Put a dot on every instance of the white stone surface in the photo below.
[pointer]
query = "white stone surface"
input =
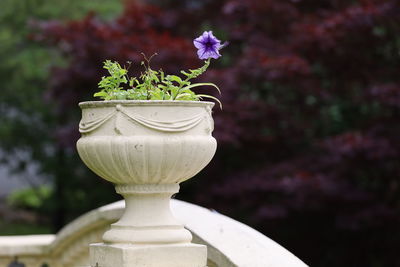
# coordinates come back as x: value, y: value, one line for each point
x: 125, y: 255
x: 146, y: 142
x: 27, y: 244
x: 146, y: 148
x: 239, y: 244
x: 229, y: 242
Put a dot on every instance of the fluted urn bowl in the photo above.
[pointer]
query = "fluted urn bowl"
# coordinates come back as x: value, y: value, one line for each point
x: 146, y: 148
x: 146, y: 142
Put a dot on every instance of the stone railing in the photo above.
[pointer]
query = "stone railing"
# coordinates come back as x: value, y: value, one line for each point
x: 229, y: 242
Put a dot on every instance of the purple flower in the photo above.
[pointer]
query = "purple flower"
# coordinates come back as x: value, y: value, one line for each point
x: 208, y: 46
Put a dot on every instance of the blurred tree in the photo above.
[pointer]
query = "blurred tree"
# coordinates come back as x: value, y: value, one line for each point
x: 308, y: 138
x: 27, y: 121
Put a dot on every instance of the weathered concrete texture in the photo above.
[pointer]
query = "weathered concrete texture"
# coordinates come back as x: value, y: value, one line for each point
x: 124, y: 255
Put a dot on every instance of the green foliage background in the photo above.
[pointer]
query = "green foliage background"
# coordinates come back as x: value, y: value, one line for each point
x: 27, y: 122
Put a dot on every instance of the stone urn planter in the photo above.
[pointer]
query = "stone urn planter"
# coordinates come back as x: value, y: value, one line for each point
x: 146, y: 148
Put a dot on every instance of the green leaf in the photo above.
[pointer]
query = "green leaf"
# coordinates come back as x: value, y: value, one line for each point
x: 202, y: 84
x: 185, y: 73
x: 101, y: 94
x: 162, y: 75
x: 182, y: 95
x: 212, y: 97
x: 174, y: 91
x: 174, y: 78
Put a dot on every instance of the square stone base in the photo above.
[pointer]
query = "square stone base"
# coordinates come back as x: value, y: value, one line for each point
x: 130, y: 255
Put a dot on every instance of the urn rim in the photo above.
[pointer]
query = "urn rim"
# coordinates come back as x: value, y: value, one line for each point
x: 110, y: 103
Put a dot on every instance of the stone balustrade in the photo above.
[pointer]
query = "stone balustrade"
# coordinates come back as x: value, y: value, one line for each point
x: 229, y: 242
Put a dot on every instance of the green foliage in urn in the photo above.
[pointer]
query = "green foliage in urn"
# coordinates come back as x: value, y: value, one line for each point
x: 156, y: 85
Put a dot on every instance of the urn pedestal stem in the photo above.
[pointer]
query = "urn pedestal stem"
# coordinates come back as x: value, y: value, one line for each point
x: 147, y: 234
x: 147, y: 218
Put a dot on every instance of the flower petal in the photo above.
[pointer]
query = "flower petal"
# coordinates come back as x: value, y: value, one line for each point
x: 206, y: 34
x: 212, y: 38
x: 207, y: 53
x: 201, y: 52
x: 198, y: 43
